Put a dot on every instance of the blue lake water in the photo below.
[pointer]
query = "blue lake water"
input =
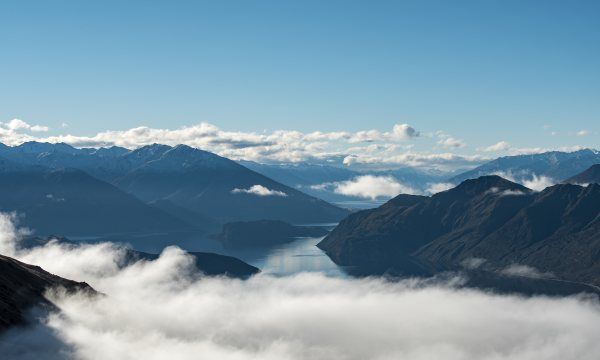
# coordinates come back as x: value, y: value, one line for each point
x: 300, y: 255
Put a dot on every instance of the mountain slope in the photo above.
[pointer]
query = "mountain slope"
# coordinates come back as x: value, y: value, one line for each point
x: 207, y: 183
x: 491, y: 219
x: 193, y: 179
x: 589, y: 176
x: 71, y: 202
x: 556, y: 165
x: 22, y: 286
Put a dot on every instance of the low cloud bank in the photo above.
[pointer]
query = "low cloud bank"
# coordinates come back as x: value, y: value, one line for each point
x: 527, y: 179
x: 372, y: 187
x: 258, y: 190
x: 164, y: 309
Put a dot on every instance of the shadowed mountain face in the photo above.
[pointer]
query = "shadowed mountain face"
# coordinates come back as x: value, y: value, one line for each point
x: 556, y: 165
x: 22, y: 286
x: 589, y: 176
x: 71, y: 202
x: 489, y: 221
x: 183, y: 177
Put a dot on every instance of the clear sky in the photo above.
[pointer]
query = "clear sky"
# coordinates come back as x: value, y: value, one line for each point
x: 481, y: 71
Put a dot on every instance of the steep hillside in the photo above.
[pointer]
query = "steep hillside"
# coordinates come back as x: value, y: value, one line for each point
x: 589, y: 176
x: 22, y: 286
x: 488, y: 220
x: 71, y: 202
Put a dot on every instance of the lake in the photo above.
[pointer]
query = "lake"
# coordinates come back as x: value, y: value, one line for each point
x: 300, y: 255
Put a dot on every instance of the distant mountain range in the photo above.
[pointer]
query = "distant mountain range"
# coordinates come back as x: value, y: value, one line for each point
x: 319, y: 180
x: 488, y: 223
x: 556, y: 165
x: 537, y: 170
x: 159, y: 188
x: 155, y: 187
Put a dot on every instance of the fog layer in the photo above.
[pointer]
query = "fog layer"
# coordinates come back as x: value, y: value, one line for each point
x: 164, y: 309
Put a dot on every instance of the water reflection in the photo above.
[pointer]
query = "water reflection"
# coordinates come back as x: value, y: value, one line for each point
x: 301, y: 255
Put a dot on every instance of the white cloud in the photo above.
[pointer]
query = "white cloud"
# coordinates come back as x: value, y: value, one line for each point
x: 17, y: 131
x: 370, y: 148
x: 451, y: 142
x: 404, y: 132
x: 18, y: 124
x: 372, y: 187
x: 442, y: 161
x: 499, y: 146
x: 527, y: 179
x: 276, y: 146
x: 525, y: 271
x: 582, y: 133
x: 163, y: 309
x: 434, y: 188
x: 538, y: 183
x: 473, y: 263
x: 258, y: 190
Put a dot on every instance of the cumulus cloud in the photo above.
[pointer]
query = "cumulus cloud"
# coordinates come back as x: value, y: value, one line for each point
x: 499, y: 146
x: 372, y: 187
x: 527, y: 179
x: 450, y: 142
x: 582, y: 133
x: 17, y: 131
x: 280, y: 146
x: 164, y: 309
x: 404, y: 132
x: 258, y: 190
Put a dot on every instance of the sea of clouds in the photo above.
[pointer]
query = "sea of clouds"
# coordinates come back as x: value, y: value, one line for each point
x: 165, y: 309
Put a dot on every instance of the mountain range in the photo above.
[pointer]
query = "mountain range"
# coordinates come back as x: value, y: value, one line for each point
x: 556, y: 165
x: 157, y: 187
x: 320, y: 180
x: 488, y: 223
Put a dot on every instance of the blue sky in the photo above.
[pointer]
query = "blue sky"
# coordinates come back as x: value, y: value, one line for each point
x: 480, y: 71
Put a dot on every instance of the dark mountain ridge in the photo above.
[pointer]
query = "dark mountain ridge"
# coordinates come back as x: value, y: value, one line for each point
x: 23, y: 286
x: 589, y: 176
x: 492, y: 219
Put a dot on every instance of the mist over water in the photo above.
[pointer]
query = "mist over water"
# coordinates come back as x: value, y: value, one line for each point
x: 165, y: 309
